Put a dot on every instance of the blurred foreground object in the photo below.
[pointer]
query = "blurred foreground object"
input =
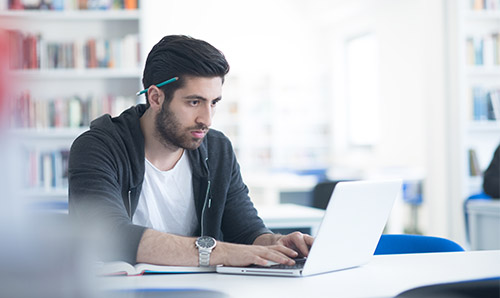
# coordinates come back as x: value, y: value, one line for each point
x: 40, y: 254
x: 41, y: 257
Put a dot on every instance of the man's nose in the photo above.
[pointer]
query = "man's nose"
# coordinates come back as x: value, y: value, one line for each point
x: 205, y: 115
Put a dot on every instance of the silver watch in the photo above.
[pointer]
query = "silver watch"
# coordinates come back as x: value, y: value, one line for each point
x: 205, y: 245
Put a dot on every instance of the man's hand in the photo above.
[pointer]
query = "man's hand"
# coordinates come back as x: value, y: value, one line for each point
x: 231, y: 254
x: 298, y: 242
x: 301, y: 243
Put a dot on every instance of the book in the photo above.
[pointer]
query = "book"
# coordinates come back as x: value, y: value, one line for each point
x: 485, y: 104
x: 477, y: 4
x: 480, y: 107
x: 130, y: 4
x: 474, y: 168
x: 495, y: 103
x: 124, y: 268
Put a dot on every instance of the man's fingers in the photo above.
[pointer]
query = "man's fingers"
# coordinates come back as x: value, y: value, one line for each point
x: 285, y: 250
x: 277, y: 254
x: 309, y: 240
x: 301, y: 245
x: 301, y: 242
x: 260, y: 261
x: 289, y: 247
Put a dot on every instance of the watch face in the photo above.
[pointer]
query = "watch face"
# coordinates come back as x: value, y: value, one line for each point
x: 205, y: 242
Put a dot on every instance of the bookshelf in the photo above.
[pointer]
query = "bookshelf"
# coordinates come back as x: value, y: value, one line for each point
x: 480, y: 33
x: 72, y: 61
x: 475, y: 93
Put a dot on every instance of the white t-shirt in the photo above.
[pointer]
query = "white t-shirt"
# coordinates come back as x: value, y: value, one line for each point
x: 166, y: 203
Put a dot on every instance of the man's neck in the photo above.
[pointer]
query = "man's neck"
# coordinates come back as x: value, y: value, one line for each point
x: 161, y: 156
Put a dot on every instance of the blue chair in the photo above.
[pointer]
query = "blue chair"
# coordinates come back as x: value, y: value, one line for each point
x: 406, y: 244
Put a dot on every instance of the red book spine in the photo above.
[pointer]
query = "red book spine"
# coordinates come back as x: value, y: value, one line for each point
x: 92, y: 63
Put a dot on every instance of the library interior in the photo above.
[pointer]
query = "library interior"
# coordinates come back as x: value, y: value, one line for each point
x: 318, y: 93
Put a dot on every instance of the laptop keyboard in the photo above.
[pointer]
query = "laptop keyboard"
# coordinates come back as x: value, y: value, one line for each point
x: 299, y: 264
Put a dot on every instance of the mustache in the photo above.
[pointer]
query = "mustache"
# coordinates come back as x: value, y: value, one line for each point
x: 199, y: 127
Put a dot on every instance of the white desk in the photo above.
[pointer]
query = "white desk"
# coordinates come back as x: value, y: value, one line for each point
x: 384, y: 276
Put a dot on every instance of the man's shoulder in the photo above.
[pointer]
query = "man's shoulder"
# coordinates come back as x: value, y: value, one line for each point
x: 129, y: 117
x: 101, y: 129
x: 216, y: 143
x: 216, y: 137
x: 214, y: 133
x: 106, y: 129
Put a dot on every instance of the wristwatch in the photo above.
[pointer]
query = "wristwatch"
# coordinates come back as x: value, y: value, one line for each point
x: 205, y: 244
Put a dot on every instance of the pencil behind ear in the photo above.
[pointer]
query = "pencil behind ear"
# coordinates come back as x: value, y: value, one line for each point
x: 159, y: 85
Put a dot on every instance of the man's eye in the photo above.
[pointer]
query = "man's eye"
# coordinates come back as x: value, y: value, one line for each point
x: 214, y: 103
x: 194, y: 102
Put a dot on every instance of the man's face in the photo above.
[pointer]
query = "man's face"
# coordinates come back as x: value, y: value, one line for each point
x: 184, y: 122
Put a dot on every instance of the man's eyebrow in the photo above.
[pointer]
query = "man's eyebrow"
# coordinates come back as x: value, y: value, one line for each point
x: 199, y: 97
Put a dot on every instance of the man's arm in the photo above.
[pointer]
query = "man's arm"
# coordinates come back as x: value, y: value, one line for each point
x: 168, y: 249
x: 95, y: 196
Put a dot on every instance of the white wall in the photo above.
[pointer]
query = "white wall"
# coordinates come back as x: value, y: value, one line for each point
x: 242, y: 30
x: 413, y: 99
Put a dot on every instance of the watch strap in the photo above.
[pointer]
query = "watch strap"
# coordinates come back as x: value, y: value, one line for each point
x: 204, y: 258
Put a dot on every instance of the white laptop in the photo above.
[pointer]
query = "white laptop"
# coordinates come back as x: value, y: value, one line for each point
x: 349, y: 232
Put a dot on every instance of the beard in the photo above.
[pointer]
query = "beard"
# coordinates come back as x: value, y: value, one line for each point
x: 172, y: 134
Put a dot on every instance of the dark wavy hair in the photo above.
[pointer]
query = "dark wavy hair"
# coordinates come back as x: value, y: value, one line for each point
x: 181, y: 56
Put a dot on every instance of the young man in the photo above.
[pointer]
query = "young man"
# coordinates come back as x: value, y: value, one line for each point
x: 155, y: 178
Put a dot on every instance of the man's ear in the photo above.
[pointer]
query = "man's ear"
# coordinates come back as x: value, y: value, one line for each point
x: 155, y: 97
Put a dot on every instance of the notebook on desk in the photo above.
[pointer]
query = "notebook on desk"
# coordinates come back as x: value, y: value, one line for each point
x: 349, y: 232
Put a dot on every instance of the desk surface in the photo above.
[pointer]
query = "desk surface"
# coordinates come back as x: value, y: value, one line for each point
x: 384, y: 276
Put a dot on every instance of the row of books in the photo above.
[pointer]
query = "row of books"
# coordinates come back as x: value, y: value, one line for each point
x: 64, y: 112
x: 484, y: 4
x: 483, y: 50
x: 31, y: 51
x: 485, y: 104
x: 47, y: 169
x: 68, y: 4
